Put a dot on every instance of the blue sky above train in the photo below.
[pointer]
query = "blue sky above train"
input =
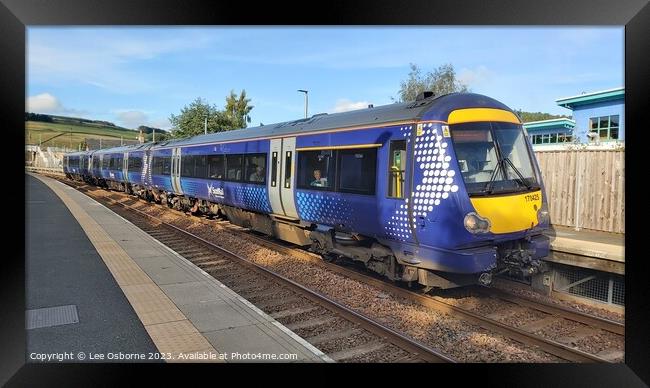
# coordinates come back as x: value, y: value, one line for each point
x: 135, y: 76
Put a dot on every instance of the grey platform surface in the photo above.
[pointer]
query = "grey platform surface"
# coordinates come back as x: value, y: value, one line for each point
x: 589, y: 243
x: 62, y: 269
x: 229, y: 322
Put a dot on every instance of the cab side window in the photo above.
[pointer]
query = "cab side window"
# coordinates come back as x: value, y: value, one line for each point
x: 396, y: 168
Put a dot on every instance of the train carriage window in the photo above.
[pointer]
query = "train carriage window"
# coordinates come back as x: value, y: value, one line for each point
x: 255, y: 168
x: 396, y: 169
x: 135, y: 163
x: 316, y: 170
x: 234, y: 167
x: 187, y: 165
x: 216, y: 166
x: 156, y: 166
x: 106, y: 160
x: 200, y: 166
x: 167, y: 165
x: 357, y: 171
x: 161, y: 165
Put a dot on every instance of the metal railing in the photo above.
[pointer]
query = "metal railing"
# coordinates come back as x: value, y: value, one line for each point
x: 46, y: 170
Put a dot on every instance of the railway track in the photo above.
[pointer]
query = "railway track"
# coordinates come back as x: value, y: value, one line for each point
x: 552, y: 313
x: 527, y: 334
x: 340, y: 332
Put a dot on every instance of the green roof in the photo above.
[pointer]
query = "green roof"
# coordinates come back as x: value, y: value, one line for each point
x: 591, y: 98
x: 551, y: 123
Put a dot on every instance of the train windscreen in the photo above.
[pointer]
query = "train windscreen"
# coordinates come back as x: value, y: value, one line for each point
x: 493, y: 157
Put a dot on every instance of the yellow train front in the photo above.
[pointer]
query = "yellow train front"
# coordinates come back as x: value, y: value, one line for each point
x: 468, y: 198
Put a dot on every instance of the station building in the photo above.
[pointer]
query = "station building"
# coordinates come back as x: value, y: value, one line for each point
x: 598, y: 118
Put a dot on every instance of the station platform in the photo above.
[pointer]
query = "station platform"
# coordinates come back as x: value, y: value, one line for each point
x: 586, y: 248
x: 98, y: 285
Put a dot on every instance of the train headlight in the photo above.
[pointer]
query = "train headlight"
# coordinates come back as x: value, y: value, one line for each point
x: 476, y: 224
x: 543, y: 216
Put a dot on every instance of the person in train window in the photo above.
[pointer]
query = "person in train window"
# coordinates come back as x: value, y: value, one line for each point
x: 318, y: 180
x: 258, y: 175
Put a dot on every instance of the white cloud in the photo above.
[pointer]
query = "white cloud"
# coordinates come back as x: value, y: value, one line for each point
x: 44, y: 103
x: 475, y: 76
x: 104, y: 58
x: 133, y: 118
x: 160, y: 123
x: 344, y: 105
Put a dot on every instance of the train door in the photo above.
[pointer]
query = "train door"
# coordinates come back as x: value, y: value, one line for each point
x: 287, y: 176
x: 274, y: 181
x: 176, y: 171
x: 125, y: 167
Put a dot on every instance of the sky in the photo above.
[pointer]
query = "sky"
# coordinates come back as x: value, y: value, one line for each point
x: 139, y: 76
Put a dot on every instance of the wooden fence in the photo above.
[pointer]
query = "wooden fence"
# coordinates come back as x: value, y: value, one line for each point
x: 585, y: 188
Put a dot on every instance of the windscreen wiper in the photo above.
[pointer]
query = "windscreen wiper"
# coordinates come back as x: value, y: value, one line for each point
x: 521, y: 177
x: 487, y: 189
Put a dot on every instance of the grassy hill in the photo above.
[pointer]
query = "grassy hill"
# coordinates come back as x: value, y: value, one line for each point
x: 73, y: 132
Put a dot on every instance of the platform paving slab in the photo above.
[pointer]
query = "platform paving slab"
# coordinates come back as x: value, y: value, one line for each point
x: 62, y: 269
x: 165, y: 288
x: 590, y: 243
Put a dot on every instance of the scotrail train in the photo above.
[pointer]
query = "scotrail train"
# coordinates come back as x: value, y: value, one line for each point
x: 444, y: 191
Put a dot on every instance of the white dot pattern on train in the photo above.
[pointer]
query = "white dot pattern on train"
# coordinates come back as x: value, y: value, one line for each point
x: 325, y: 209
x: 437, y: 183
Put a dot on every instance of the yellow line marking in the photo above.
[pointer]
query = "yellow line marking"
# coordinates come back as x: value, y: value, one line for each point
x: 298, y: 133
x: 168, y: 327
x: 345, y: 147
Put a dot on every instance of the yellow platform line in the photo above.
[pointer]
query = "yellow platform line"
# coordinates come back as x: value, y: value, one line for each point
x: 176, y: 338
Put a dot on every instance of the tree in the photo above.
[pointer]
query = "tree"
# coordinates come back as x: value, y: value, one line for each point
x: 146, y: 129
x: 238, y: 110
x: 441, y: 80
x: 191, y: 120
x: 527, y: 117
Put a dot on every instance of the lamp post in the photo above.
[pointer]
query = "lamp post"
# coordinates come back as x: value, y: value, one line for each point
x: 205, y: 125
x: 306, y: 100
